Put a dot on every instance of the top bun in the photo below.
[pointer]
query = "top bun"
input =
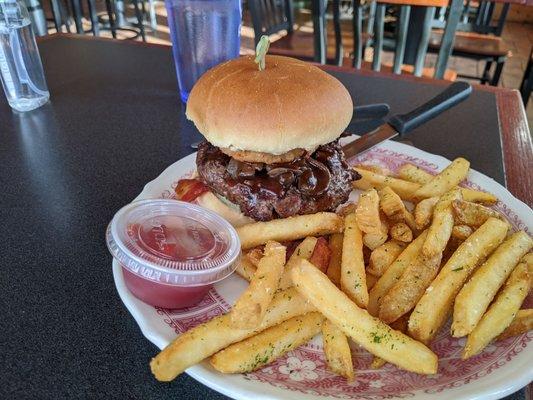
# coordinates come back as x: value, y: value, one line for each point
x: 289, y: 105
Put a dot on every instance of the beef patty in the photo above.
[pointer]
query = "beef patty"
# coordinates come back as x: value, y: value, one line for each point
x: 309, y: 184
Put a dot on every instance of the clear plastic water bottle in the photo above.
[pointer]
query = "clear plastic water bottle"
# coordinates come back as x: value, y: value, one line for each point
x: 21, y: 70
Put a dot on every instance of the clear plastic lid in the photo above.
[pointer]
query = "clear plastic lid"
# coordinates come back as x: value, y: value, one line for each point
x: 173, y: 242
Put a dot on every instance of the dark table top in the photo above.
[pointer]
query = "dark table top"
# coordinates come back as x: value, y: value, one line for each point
x: 113, y: 124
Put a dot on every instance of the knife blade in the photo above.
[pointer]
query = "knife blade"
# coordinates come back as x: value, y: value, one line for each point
x: 402, y: 124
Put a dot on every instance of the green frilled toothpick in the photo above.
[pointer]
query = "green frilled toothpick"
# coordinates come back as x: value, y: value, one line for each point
x: 261, y: 51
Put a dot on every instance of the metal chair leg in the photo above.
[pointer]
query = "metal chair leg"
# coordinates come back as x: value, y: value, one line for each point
x: 153, y: 16
x: 485, y: 77
x: 498, y: 72
x: 56, y: 14
x: 112, y: 27
x: 95, y: 27
x: 140, y: 21
x: 76, y: 11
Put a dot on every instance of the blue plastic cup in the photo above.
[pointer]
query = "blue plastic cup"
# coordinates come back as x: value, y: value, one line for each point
x: 204, y: 33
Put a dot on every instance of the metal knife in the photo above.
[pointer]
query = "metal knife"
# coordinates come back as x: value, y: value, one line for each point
x: 402, y: 124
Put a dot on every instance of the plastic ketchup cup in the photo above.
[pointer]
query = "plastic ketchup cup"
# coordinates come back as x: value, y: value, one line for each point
x: 171, y: 252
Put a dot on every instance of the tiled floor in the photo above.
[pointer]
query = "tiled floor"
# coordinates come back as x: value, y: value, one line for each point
x: 518, y: 36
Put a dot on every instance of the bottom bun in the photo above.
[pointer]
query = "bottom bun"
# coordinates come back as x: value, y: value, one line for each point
x: 230, y: 213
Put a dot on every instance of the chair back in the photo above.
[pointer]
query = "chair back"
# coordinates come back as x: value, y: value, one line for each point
x: 476, y: 17
x: 402, y: 24
x: 271, y: 16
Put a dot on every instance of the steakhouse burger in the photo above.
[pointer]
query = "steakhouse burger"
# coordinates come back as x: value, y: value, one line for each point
x: 271, y: 148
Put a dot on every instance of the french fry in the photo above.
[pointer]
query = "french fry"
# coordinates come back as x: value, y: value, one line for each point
x: 286, y: 229
x: 393, y: 273
x: 440, y: 230
x: 303, y: 250
x: 367, y: 331
x: 472, y: 214
x: 367, y: 212
x: 375, y: 168
x: 461, y: 232
x: 245, y: 268
x: 206, y: 339
x: 477, y: 196
x: 353, y: 277
x: 446, y: 180
x: 337, y: 350
x: 321, y: 255
x: 383, y: 256
x: 476, y: 295
x: 406, y: 292
x: 412, y: 173
x: 268, y: 345
x: 347, y: 208
x: 399, y: 325
x: 393, y: 207
x: 334, y: 268
x: 370, y: 281
x: 415, y: 174
x: 255, y: 255
x: 374, y: 240
x: 501, y: 313
x: 424, y: 212
x: 522, y: 322
x: 377, y: 363
x: 436, y: 304
x: 404, y: 189
x: 252, y: 305
x: 401, y: 232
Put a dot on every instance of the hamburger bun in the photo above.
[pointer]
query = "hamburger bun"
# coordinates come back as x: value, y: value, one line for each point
x: 289, y: 105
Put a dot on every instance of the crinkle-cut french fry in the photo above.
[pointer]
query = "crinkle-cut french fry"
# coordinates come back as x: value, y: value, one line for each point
x: 367, y: 212
x: 424, y: 211
x: 417, y: 175
x: 303, y: 250
x: 383, y: 256
x: 472, y: 214
x: 404, y: 189
x: 353, y: 277
x: 337, y: 350
x: 393, y: 207
x: 436, y: 304
x: 334, y: 268
x: 252, y: 305
x: 440, y: 230
x: 393, y: 273
x: 268, y: 345
x: 501, y: 313
x: 522, y: 323
x: 461, y: 232
x: 245, y: 268
x: 369, y: 332
x: 292, y: 228
x: 476, y: 295
x: 204, y: 340
x: 446, y: 180
x: 404, y: 295
x: 401, y: 232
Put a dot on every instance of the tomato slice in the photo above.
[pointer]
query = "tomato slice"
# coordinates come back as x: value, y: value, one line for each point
x: 190, y: 189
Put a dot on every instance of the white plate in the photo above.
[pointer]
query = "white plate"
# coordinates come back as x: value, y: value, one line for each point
x: 502, y: 368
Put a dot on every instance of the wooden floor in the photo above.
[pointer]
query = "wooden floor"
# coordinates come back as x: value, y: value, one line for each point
x: 518, y: 36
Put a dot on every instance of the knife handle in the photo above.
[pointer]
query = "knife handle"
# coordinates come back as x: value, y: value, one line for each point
x: 370, y: 111
x: 452, y: 95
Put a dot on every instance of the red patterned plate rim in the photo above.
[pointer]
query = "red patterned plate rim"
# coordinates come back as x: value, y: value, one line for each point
x: 302, y: 373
